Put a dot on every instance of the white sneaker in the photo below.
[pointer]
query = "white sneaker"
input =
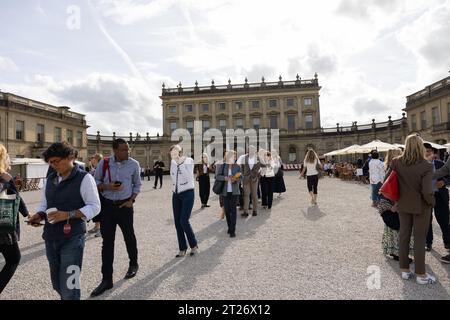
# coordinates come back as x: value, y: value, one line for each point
x: 429, y: 279
x: 407, y: 275
x: 194, y: 250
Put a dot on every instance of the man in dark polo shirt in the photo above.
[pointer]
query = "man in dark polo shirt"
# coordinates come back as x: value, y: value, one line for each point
x: 118, y: 180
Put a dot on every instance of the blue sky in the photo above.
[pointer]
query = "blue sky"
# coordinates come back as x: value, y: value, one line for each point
x: 108, y: 58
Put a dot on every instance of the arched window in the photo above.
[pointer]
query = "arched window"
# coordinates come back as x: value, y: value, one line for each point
x: 292, y: 154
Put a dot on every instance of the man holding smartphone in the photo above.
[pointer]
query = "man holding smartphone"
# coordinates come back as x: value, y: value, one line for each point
x: 119, y: 182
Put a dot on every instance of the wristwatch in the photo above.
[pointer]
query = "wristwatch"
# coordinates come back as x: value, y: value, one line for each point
x: 72, y: 214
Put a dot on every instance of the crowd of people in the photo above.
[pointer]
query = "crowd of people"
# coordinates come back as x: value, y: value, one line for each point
x: 106, y: 193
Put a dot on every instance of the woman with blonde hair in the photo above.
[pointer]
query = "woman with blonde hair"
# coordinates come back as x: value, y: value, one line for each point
x: 416, y: 199
x: 311, y: 166
x: 389, y: 212
x: 9, y: 239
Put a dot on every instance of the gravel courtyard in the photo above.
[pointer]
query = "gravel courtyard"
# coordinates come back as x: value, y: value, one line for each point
x: 293, y: 251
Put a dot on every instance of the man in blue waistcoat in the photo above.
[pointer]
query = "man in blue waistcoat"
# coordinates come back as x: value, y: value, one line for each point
x: 71, y: 198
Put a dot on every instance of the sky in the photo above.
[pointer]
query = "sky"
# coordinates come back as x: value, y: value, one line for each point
x: 108, y: 58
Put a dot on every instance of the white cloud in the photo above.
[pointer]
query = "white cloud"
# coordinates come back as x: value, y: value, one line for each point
x: 111, y: 102
x: 369, y: 54
x: 428, y: 39
x: 7, y: 64
x: 127, y: 12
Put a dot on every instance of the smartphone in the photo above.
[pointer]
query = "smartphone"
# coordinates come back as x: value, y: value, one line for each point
x: 117, y: 183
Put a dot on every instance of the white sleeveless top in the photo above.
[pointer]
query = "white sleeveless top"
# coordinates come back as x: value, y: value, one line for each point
x: 311, y: 168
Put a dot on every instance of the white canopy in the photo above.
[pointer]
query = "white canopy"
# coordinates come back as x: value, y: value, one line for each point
x: 377, y: 145
x: 341, y: 151
x: 447, y: 146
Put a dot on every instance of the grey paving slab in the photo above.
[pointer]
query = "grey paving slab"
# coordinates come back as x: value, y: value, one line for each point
x: 293, y: 251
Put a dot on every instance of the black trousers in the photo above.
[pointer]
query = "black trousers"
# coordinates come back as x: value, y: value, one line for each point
x: 267, y: 191
x: 160, y: 176
x: 312, y: 182
x: 113, y: 216
x: 204, y: 188
x: 441, y: 212
x: 11, y: 253
x: 230, y: 203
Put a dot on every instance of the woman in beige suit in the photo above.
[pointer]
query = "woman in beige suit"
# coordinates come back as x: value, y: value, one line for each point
x: 414, y: 206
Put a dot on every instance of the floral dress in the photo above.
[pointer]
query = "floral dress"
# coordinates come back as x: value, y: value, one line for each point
x: 389, y: 241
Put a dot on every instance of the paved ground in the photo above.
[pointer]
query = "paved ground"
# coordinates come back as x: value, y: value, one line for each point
x: 293, y: 251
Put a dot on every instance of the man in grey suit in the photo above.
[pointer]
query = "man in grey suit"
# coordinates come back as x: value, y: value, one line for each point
x: 250, y: 166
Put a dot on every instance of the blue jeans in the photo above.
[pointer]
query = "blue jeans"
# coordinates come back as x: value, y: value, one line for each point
x: 182, y: 204
x: 375, y: 189
x: 65, y: 257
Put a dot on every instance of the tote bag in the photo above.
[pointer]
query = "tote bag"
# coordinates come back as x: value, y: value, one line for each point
x: 389, y: 189
x: 218, y: 185
x: 9, y: 208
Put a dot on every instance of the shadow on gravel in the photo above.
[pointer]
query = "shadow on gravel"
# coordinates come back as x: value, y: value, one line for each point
x: 313, y: 213
x: 38, y: 253
x: 188, y: 268
x: 414, y: 291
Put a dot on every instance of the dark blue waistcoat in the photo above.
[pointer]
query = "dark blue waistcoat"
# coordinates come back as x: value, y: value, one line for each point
x: 64, y: 196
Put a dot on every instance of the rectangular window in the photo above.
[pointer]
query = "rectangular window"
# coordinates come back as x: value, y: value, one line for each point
x: 448, y: 112
x: 205, y: 107
x: 423, y: 120
x: 309, y: 121
x: 290, y: 103
x: 291, y: 122
x: 190, y: 126
x: 173, y: 109
x: 222, y: 106
x: 188, y: 108
x: 238, y: 105
x: 273, y: 122
x: 205, y: 125
x: 435, y: 115
x: 256, y: 123
x: 40, y: 130
x: 307, y: 102
x: 239, y: 123
x: 79, y: 138
x: 255, y: 104
x: 20, y: 130
x: 58, y: 137
x: 222, y: 124
x: 173, y: 126
x: 413, y: 122
x: 70, y: 136
x: 273, y: 103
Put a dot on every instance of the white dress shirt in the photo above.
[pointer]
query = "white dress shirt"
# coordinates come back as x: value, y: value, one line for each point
x: 89, y: 194
x: 376, y: 171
